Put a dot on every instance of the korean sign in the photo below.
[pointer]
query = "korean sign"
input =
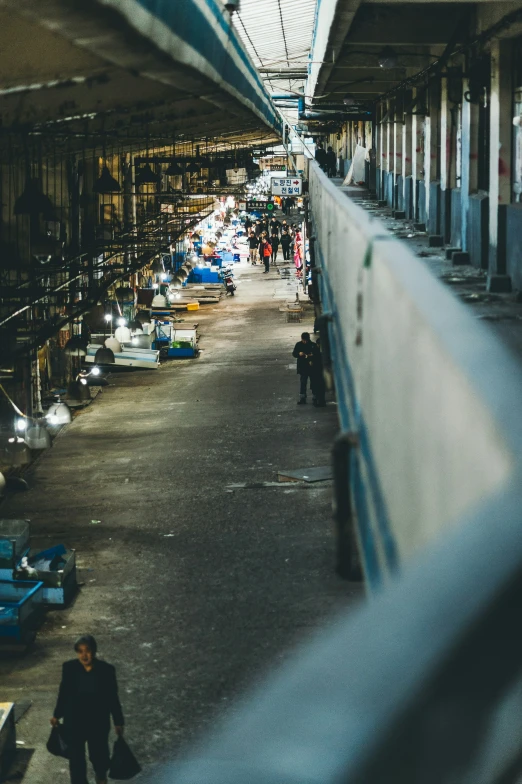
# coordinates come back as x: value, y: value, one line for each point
x: 288, y: 186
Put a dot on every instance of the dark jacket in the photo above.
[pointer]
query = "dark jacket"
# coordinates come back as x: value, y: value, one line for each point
x: 253, y: 242
x: 320, y: 156
x: 275, y: 226
x: 303, y: 363
x: 286, y: 240
x: 101, y: 696
x: 331, y: 159
x: 274, y: 242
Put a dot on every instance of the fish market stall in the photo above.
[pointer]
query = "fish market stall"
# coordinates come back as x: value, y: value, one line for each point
x: 129, y: 356
x: 176, y: 342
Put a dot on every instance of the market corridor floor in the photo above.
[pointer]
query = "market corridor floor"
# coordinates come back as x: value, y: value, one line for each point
x: 192, y: 588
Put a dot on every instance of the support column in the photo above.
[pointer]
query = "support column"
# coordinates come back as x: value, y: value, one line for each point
x: 390, y: 155
x: 469, y: 161
x: 500, y: 131
x: 445, y: 156
x: 417, y: 158
x: 381, y: 153
x: 407, y: 188
x: 397, y: 158
x: 431, y: 161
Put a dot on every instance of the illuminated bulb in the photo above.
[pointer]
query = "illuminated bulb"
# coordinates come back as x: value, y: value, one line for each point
x: 83, y: 381
x: 122, y: 322
x: 21, y: 425
x: 108, y: 317
x: 135, y: 341
x: 95, y: 371
x: 53, y: 420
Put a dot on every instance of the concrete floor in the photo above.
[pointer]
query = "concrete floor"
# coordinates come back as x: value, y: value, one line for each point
x: 192, y: 589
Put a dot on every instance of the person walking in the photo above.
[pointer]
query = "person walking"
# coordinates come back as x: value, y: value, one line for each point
x: 258, y: 229
x: 274, y: 226
x: 253, y: 244
x: 317, y: 384
x: 274, y: 242
x: 331, y: 162
x: 265, y: 251
x: 303, y: 352
x: 320, y: 156
x: 286, y: 241
x: 87, y: 699
x: 298, y: 253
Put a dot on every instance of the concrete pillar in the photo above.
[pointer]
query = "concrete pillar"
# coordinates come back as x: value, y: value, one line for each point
x: 417, y: 152
x: 500, y: 151
x: 469, y: 160
x: 406, y: 170
x: 431, y: 162
x: 397, y: 148
x: 446, y: 143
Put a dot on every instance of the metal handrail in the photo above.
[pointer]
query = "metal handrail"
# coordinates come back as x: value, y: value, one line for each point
x: 423, y: 684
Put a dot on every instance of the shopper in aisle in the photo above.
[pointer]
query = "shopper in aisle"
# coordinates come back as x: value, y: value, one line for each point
x: 331, y: 162
x: 286, y: 241
x: 274, y: 242
x: 303, y: 352
x: 253, y: 244
x: 265, y: 252
x: 317, y: 384
x: 87, y: 699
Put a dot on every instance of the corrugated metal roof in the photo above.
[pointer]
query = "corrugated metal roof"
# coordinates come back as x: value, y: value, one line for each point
x: 278, y: 35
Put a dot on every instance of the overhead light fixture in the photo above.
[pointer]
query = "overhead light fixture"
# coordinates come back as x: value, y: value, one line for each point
x: 113, y: 344
x: 123, y: 334
x: 104, y: 356
x: 33, y: 202
x: 106, y: 182
x: 77, y: 392
x: 173, y: 169
x: 21, y: 424
x: 122, y: 322
x: 146, y: 175
x: 17, y: 453
x: 108, y: 317
x: 59, y: 414
x: 349, y: 100
x: 76, y: 347
x: 95, y: 371
x: 387, y: 58
x: 193, y: 168
x: 157, y: 266
x: 38, y: 437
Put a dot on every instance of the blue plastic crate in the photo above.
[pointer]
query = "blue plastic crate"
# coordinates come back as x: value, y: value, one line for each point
x: 21, y: 604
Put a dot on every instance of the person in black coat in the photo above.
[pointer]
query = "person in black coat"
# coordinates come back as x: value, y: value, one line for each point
x: 320, y: 156
x: 87, y: 699
x: 331, y: 162
x: 316, y: 375
x: 286, y: 241
x: 303, y: 352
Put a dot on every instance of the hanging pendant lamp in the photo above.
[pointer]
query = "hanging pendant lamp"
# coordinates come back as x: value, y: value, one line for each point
x: 17, y: 453
x: 75, y: 347
x: 104, y: 356
x: 157, y: 266
x: 2, y: 485
x: 78, y: 393
x: 146, y: 175
x: 113, y: 344
x: 59, y: 414
x: 33, y: 202
x: 193, y: 167
x: 106, y: 182
x: 37, y: 437
x: 173, y: 169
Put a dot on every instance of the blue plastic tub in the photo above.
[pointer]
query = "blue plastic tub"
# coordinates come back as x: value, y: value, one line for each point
x: 21, y: 605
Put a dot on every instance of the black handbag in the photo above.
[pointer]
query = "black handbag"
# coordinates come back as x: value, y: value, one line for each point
x: 124, y: 765
x: 57, y: 745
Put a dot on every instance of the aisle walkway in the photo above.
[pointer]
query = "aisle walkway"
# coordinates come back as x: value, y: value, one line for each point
x: 193, y: 589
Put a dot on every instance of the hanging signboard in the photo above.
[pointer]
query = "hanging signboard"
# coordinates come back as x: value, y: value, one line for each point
x: 258, y: 205
x: 289, y: 186
x: 242, y: 206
